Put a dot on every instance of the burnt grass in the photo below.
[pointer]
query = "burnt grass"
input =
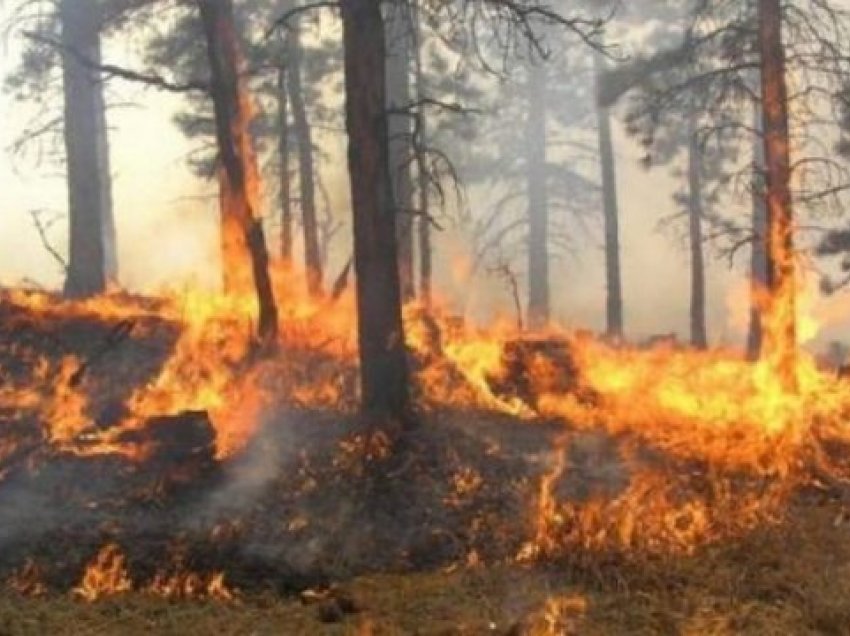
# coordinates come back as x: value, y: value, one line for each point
x: 317, y: 499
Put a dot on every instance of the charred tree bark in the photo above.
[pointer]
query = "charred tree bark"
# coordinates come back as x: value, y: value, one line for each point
x: 613, y: 276
x: 306, y: 170
x: 399, y: 47
x: 538, y: 200
x: 758, y: 254
x: 239, y: 173
x: 780, y: 324
x: 285, y: 187
x: 699, y: 337
x: 92, y: 248
x: 384, y: 374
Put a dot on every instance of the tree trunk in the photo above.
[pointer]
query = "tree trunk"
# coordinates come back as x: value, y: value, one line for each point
x: 426, y: 267
x: 89, y: 198
x: 306, y: 175
x: 399, y: 47
x: 239, y: 173
x: 758, y: 254
x: 699, y: 338
x: 613, y: 278
x: 283, y: 158
x: 384, y: 374
x: 538, y: 200
x: 425, y: 246
x: 779, y: 317
x: 110, y: 240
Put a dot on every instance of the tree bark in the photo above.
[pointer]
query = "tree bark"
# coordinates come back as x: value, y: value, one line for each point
x: 110, y: 239
x: 699, y: 337
x: 538, y: 200
x: 399, y: 48
x: 91, y: 231
x: 425, y: 245
x: 613, y: 277
x: 780, y: 325
x: 285, y: 187
x: 384, y: 374
x: 758, y: 253
x: 306, y: 169
x: 239, y: 173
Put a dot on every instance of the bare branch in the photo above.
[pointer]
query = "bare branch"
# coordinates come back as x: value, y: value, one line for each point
x: 150, y: 79
x: 42, y: 229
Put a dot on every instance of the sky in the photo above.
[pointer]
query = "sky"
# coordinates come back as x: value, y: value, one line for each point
x: 166, y: 224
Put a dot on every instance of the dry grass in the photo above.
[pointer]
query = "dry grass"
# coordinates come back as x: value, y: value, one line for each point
x: 793, y: 579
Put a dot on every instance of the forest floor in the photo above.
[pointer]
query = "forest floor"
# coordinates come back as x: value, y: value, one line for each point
x: 318, y: 527
x: 788, y: 580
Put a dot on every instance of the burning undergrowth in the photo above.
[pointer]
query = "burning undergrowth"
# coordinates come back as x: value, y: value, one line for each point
x: 153, y: 446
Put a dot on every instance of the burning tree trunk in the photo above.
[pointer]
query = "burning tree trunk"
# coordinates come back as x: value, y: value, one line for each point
x: 538, y: 200
x: 758, y: 255
x: 384, y: 373
x: 91, y: 259
x: 613, y: 279
x: 306, y: 172
x: 399, y: 34
x: 780, y: 325
x: 699, y: 336
x: 239, y: 174
x: 283, y: 158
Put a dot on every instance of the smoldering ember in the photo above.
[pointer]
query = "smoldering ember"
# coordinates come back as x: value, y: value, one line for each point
x: 425, y: 317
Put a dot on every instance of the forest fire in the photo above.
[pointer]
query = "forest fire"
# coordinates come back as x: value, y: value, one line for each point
x: 255, y: 437
x: 711, y: 410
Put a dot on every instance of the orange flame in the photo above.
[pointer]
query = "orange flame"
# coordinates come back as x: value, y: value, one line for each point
x: 106, y: 575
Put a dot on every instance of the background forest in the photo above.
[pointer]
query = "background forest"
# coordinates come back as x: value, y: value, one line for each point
x: 181, y: 212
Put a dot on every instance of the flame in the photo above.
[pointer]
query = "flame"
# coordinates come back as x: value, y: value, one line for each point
x: 190, y: 585
x: 106, y: 575
x: 712, y: 405
x: 711, y: 415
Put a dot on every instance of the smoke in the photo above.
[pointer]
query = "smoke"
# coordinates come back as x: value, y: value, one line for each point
x: 272, y: 451
x: 167, y: 220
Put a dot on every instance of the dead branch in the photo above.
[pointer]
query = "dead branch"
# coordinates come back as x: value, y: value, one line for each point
x: 284, y: 19
x: 150, y: 79
x: 41, y: 228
